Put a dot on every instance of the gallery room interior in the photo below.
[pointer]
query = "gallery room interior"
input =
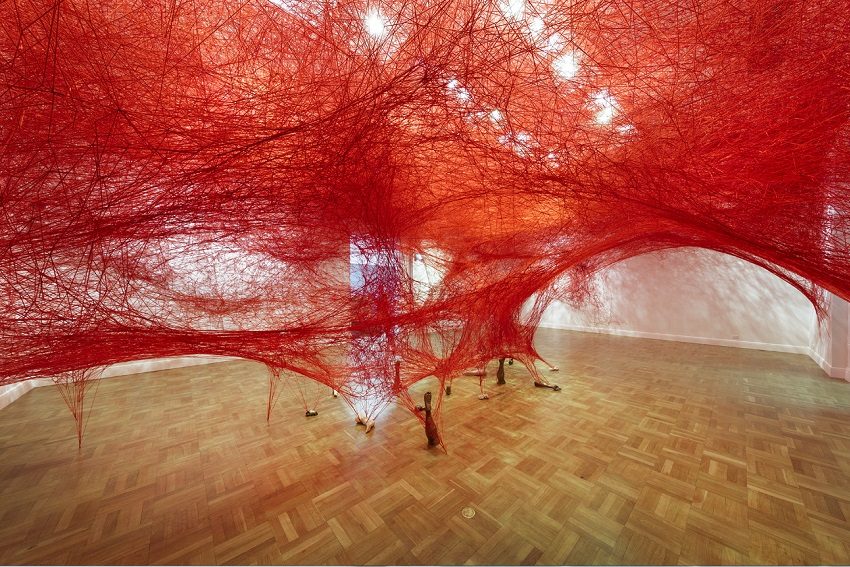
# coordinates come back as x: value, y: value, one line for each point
x: 429, y: 282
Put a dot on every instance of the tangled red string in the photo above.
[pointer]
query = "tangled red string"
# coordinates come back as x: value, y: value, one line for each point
x: 369, y: 193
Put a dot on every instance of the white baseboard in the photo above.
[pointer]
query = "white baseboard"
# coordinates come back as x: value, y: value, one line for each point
x: 12, y: 392
x: 684, y: 338
x: 831, y: 371
x: 9, y: 394
x: 155, y: 364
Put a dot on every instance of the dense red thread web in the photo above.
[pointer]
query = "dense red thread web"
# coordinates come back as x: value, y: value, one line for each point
x: 368, y: 193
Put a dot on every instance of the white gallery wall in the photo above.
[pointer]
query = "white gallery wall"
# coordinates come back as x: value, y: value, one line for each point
x: 702, y: 296
x: 689, y: 295
x: 831, y: 347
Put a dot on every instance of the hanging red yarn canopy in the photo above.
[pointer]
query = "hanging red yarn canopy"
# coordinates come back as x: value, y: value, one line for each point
x: 264, y: 178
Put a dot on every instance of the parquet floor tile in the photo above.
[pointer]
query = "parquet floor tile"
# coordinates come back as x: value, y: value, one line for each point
x: 653, y: 453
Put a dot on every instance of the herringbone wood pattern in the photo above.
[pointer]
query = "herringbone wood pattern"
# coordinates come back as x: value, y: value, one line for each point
x: 654, y: 452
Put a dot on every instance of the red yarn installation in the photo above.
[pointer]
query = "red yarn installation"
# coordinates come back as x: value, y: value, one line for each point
x: 270, y: 179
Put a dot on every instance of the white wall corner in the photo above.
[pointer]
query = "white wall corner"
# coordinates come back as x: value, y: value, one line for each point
x: 12, y: 392
x: 831, y: 371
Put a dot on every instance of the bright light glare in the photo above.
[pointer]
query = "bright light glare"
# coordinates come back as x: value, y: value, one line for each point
x: 290, y: 6
x: 375, y: 24
x: 496, y: 115
x: 607, y: 106
x: 554, y: 43
x: 536, y: 26
x: 460, y: 93
x: 513, y: 9
x: 521, y: 142
x: 566, y: 66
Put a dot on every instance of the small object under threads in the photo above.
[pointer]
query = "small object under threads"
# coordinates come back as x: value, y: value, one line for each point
x: 430, y: 426
x: 369, y: 422
x: 311, y: 413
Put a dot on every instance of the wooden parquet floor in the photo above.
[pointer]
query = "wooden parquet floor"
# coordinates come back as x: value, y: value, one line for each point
x: 653, y: 453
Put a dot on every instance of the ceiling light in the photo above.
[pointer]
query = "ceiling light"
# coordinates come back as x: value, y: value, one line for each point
x: 566, y: 66
x: 512, y: 9
x: 375, y: 24
x: 607, y: 106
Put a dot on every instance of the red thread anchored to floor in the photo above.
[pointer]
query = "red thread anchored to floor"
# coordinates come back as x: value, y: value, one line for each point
x: 368, y: 193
